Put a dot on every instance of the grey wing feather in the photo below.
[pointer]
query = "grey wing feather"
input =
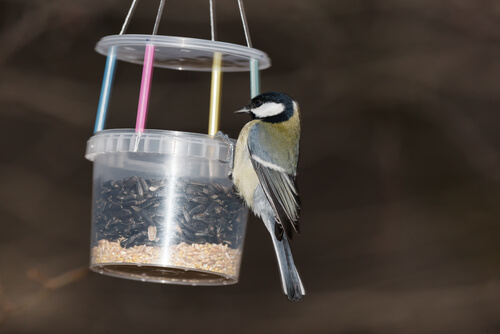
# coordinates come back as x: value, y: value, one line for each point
x: 280, y: 190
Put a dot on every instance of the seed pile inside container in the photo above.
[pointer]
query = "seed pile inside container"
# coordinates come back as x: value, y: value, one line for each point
x: 132, y: 215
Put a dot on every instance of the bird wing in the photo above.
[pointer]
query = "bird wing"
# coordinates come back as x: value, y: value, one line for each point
x: 279, y: 186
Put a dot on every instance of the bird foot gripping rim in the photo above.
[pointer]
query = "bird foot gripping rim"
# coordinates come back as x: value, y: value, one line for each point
x: 230, y: 158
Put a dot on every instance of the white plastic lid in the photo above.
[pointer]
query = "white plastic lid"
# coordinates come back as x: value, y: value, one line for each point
x: 182, y: 53
x: 159, y: 141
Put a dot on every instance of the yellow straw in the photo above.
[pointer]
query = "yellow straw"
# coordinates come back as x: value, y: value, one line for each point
x: 213, y: 120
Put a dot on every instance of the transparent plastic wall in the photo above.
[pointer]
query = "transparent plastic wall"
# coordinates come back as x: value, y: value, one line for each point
x: 164, y: 208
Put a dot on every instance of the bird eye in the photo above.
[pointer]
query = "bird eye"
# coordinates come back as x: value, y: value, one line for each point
x: 257, y: 104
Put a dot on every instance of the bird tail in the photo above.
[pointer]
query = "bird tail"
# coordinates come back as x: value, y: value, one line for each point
x: 290, y: 279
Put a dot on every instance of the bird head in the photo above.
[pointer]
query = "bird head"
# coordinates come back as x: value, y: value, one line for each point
x: 271, y: 107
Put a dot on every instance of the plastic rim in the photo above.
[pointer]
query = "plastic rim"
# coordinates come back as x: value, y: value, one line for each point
x: 159, y: 142
x: 164, y: 274
x: 182, y: 53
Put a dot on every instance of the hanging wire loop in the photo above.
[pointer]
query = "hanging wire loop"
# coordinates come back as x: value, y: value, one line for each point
x: 158, y: 17
x: 245, y: 24
x: 213, y: 30
x: 128, y: 17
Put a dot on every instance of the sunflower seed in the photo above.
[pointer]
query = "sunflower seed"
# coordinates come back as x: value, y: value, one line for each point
x: 132, y: 208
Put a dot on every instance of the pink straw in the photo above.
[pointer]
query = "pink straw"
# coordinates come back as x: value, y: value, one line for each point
x: 147, y: 75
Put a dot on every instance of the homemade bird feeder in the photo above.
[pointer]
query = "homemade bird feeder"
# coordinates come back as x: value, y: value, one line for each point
x: 164, y: 207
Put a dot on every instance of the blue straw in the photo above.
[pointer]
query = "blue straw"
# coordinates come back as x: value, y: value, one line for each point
x: 109, y: 73
x: 107, y: 83
x: 254, y: 78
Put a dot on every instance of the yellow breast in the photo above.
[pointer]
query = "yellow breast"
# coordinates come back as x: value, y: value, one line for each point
x: 244, y: 176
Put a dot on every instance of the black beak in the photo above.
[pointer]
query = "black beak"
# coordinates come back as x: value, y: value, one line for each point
x: 243, y: 110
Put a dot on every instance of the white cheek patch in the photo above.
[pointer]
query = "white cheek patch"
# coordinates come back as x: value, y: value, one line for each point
x: 268, y: 109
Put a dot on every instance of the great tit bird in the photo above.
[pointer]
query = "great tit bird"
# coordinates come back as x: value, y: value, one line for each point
x: 265, y: 167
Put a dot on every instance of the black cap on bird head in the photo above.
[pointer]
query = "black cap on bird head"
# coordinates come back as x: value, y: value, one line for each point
x: 271, y: 107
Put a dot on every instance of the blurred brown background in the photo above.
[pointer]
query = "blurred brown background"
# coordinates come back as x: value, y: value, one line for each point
x: 399, y: 170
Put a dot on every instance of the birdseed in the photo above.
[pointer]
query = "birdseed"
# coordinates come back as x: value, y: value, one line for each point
x: 136, y: 211
x: 168, y: 222
x: 217, y: 258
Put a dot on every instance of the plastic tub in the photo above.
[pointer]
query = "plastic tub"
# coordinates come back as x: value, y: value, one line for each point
x: 164, y: 209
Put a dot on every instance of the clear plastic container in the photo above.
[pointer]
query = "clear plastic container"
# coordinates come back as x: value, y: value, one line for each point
x: 164, y: 209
